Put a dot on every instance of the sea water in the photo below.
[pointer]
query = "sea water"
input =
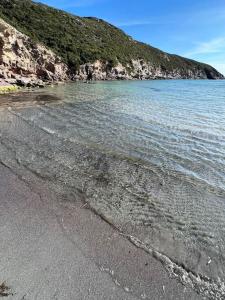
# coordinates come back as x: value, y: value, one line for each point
x: 149, y: 156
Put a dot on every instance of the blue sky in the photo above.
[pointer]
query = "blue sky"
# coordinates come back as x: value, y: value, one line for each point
x: 192, y: 28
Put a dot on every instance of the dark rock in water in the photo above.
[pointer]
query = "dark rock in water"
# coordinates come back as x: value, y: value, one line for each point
x: 46, y: 98
x: 23, y: 99
x: 25, y: 82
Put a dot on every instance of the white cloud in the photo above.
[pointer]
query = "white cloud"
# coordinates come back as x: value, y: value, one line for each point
x: 216, y: 45
x: 218, y: 66
x: 133, y: 23
x: 211, y: 52
x: 140, y: 22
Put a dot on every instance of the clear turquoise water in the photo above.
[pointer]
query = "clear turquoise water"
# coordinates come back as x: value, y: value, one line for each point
x: 177, y: 125
x: 148, y: 155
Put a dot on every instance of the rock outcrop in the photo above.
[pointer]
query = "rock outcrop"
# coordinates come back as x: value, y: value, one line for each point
x: 139, y: 69
x: 26, y: 63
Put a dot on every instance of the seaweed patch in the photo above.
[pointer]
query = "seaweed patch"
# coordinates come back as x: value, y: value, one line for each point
x: 4, y: 290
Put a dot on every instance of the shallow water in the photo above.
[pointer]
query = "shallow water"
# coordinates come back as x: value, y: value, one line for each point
x: 147, y: 155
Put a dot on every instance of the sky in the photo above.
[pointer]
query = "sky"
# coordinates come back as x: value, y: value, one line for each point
x: 191, y: 28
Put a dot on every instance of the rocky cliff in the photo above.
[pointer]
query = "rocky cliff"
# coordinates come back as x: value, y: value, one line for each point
x: 138, y: 69
x: 24, y: 62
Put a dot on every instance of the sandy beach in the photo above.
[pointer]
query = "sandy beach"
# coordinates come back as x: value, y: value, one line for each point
x: 61, y: 250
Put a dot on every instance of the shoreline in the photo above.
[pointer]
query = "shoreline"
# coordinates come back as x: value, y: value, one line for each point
x: 60, y: 236
x: 75, y: 190
x: 9, y: 88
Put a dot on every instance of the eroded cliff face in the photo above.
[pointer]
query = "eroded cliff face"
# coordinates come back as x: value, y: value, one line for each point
x: 25, y: 62
x: 139, y: 69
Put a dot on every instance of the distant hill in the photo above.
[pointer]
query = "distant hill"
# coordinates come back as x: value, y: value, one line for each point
x: 92, y: 47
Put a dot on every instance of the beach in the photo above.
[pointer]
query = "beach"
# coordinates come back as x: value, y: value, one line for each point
x: 114, y: 182
x: 54, y: 249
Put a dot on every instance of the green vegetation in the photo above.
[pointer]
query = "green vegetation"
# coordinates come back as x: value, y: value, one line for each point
x: 8, y: 89
x: 79, y: 40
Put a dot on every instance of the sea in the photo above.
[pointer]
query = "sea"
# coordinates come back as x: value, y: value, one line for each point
x: 147, y: 156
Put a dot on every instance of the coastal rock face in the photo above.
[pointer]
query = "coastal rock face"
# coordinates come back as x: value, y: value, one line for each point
x: 139, y: 69
x: 26, y: 63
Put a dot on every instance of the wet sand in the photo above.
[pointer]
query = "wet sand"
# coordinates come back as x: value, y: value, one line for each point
x: 56, y: 249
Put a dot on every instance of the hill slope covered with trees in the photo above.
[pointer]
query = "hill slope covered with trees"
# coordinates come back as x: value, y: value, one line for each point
x: 86, y: 40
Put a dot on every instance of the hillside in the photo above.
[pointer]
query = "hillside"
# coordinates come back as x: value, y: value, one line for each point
x: 93, y: 46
